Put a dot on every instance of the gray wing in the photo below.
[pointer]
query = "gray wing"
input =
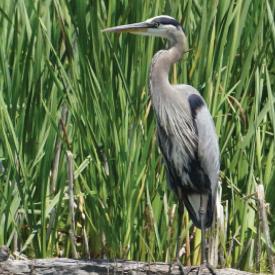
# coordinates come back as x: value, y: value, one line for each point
x: 191, y: 175
x: 208, y: 155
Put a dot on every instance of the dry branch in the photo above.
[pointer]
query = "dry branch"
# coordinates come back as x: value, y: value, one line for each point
x: 264, y: 224
x: 71, y: 266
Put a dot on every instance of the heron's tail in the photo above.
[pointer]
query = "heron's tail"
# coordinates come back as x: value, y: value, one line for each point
x: 193, y: 203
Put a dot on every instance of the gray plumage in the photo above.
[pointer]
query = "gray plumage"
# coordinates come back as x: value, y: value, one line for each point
x: 186, y: 132
x: 185, y: 128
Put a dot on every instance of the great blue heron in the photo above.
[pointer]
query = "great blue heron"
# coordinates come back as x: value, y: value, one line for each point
x: 185, y: 128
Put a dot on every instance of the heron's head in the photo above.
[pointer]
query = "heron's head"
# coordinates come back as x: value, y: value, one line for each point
x: 159, y: 26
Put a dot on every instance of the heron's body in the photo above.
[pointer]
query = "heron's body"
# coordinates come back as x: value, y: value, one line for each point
x: 186, y: 137
x: 185, y: 129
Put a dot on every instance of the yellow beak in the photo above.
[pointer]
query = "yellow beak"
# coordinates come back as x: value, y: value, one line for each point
x: 133, y: 28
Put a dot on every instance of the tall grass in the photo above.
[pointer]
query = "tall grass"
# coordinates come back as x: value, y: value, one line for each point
x: 67, y: 88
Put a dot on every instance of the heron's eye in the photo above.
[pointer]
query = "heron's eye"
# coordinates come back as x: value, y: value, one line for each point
x: 156, y: 24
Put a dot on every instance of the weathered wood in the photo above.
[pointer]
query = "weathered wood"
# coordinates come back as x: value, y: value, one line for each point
x: 81, y: 267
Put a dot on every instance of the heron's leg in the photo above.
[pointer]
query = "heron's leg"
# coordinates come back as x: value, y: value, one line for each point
x: 180, y: 214
x: 202, y: 212
x: 203, y: 241
x: 204, y: 261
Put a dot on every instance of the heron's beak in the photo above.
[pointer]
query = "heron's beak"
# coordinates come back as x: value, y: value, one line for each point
x: 133, y: 28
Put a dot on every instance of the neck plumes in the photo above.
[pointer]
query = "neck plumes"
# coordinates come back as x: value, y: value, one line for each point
x: 161, y: 63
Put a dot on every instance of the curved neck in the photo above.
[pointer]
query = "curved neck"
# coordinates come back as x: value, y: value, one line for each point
x: 161, y: 63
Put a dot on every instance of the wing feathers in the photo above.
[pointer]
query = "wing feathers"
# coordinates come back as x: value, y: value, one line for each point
x: 192, y: 175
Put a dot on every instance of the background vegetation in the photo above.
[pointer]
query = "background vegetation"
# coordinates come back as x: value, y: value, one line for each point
x: 74, y: 104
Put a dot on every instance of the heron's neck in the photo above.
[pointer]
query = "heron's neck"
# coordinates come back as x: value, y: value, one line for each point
x: 161, y: 63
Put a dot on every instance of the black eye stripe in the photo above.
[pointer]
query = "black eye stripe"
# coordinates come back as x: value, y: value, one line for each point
x: 167, y: 21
